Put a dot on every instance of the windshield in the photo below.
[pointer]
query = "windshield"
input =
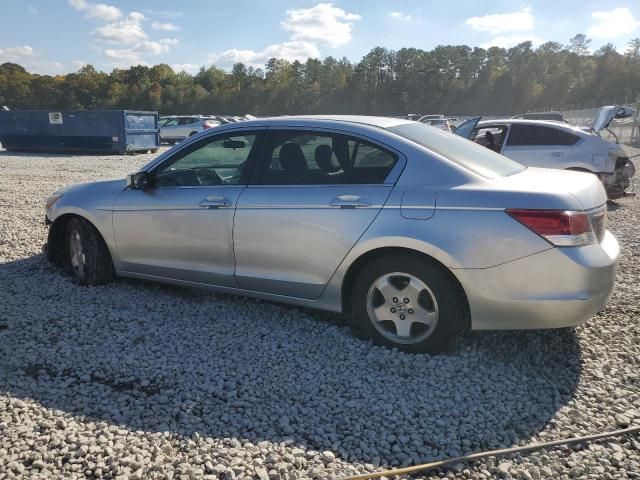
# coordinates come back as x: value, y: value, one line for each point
x: 461, y: 151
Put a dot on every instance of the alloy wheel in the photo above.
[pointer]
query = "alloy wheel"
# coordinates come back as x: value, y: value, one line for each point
x: 402, y: 308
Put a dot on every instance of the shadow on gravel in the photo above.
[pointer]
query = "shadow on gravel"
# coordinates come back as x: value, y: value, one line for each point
x: 165, y: 359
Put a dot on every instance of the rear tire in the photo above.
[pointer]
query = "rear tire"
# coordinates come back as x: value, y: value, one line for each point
x: 409, y: 303
x: 88, y: 257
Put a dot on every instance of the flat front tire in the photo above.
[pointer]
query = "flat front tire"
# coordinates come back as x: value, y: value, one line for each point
x: 408, y: 302
x: 88, y: 257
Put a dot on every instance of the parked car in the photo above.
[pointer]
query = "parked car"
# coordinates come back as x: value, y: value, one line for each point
x: 180, y: 127
x: 553, y: 116
x: 454, y: 122
x: 550, y: 144
x: 425, y: 118
x: 415, y: 233
x: 440, y: 123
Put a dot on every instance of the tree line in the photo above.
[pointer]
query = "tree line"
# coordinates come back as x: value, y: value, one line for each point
x: 448, y: 79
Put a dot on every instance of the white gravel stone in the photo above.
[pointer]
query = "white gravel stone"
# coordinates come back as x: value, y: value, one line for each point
x: 138, y: 380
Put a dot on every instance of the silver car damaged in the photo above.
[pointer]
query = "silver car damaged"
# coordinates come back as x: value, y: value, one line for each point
x: 415, y: 233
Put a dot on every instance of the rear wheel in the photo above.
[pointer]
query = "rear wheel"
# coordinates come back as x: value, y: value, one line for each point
x: 88, y: 257
x: 409, y: 303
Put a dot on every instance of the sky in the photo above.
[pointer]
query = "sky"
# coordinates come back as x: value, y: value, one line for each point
x: 60, y: 36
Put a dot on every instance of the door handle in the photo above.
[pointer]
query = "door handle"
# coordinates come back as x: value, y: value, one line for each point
x: 557, y: 154
x: 349, y: 201
x: 215, y: 202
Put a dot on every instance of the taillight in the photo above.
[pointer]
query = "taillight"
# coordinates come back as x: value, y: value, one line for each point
x: 561, y: 228
x: 209, y: 124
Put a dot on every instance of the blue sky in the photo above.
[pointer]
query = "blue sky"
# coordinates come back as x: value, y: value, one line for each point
x: 59, y: 36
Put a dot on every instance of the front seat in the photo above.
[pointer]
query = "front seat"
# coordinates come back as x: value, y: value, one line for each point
x: 322, y: 156
x: 292, y: 160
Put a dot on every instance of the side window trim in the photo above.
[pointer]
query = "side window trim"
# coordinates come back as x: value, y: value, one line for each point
x: 262, y: 154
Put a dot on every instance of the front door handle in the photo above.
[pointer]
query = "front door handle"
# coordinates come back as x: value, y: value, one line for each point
x: 349, y: 201
x: 215, y: 202
x: 557, y: 154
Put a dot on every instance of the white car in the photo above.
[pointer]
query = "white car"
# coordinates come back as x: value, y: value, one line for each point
x: 178, y: 128
x: 441, y: 123
x: 549, y: 144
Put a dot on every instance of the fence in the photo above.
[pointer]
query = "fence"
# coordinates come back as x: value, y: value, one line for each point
x: 625, y: 130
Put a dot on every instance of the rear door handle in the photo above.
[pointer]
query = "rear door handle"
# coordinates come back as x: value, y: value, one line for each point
x: 557, y: 154
x: 215, y: 202
x: 349, y: 201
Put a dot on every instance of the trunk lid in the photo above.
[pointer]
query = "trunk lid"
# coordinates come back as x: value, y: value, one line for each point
x: 605, y: 116
x: 533, y: 188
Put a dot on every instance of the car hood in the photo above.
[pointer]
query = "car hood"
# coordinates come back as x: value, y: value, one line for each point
x: 605, y: 115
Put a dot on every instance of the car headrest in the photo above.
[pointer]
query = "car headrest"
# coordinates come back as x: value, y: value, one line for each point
x: 323, y: 155
x: 292, y: 159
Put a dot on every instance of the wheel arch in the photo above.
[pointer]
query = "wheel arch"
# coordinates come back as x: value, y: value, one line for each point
x: 56, y: 251
x: 356, y: 266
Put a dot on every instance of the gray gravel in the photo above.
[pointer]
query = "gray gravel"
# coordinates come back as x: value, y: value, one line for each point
x: 137, y: 380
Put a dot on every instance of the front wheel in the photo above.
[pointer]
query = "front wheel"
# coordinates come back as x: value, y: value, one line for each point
x: 88, y: 257
x: 409, y: 303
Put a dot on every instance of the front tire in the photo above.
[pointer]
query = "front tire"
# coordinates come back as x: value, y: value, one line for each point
x: 408, y: 302
x: 88, y: 257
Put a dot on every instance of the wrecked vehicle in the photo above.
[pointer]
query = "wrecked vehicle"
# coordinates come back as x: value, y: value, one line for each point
x: 550, y: 144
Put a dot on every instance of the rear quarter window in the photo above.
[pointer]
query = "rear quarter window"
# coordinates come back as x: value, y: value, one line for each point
x: 525, y: 135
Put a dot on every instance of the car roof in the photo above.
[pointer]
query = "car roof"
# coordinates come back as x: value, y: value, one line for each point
x: 522, y: 121
x: 311, y: 120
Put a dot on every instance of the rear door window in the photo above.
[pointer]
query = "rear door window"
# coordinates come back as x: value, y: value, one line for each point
x: 318, y: 158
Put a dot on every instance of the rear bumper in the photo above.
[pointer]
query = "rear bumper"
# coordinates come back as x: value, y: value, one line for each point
x: 619, y: 180
x: 559, y: 287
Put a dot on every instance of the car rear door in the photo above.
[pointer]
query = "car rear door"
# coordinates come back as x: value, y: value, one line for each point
x: 182, y: 227
x: 313, y: 194
x: 539, y: 145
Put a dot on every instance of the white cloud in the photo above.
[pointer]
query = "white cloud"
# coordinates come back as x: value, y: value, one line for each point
x: 29, y: 58
x: 288, y: 51
x: 33, y: 10
x: 508, y: 41
x: 400, y: 16
x: 522, y: 21
x: 134, y: 55
x: 171, y: 14
x: 311, y: 29
x: 78, y: 64
x: 612, y: 24
x: 16, y: 54
x: 322, y: 24
x: 126, y: 31
x: 20, y: 54
x: 100, y: 11
x: 185, y: 67
x: 166, y: 26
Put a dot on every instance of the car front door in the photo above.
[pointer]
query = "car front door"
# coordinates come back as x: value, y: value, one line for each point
x: 312, y: 195
x: 169, y: 130
x: 539, y: 145
x: 182, y: 226
x: 185, y: 127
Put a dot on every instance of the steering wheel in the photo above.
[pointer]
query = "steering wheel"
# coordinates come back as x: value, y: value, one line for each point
x: 207, y: 177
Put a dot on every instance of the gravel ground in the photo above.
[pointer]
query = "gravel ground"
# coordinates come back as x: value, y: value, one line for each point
x: 137, y: 380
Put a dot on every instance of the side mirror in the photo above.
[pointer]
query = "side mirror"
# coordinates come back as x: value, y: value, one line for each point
x: 139, y: 181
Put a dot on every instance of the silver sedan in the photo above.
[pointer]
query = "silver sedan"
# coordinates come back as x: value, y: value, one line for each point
x: 415, y: 233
